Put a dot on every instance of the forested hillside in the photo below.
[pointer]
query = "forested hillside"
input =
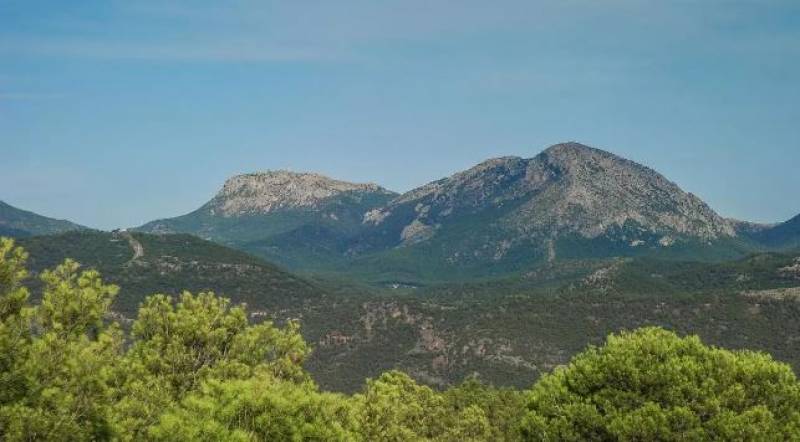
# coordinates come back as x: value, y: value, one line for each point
x: 193, y: 368
x: 506, y: 331
x: 20, y: 223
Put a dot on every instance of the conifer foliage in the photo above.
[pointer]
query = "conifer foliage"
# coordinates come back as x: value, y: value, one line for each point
x: 195, y: 368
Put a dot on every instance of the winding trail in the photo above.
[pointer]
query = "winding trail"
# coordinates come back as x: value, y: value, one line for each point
x: 551, y: 251
x: 138, y: 249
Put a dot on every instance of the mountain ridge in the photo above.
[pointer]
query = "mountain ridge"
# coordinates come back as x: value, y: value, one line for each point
x: 254, y: 206
x: 503, y: 215
x: 785, y: 235
x: 16, y: 222
x: 264, y: 192
x: 571, y: 200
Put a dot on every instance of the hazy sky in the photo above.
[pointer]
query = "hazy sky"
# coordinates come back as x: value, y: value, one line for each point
x: 113, y: 113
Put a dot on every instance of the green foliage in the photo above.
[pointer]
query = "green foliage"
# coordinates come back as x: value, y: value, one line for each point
x: 171, y: 264
x: 58, y: 358
x: 20, y: 223
x: 259, y: 408
x: 74, y: 303
x: 203, y: 337
x: 12, y: 273
x: 653, y: 385
x: 395, y: 408
x: 195, y: 368
x: 483, y: 411
x: 14, y: 317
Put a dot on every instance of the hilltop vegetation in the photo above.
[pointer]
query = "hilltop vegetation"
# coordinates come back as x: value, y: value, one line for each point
x: 194, y: 368
x: 171, y: 263
x: 20, y: 223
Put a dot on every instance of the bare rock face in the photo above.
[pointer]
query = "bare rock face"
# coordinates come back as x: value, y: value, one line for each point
x: 590, y: 191
x: 567, y: 189
x: 262, y: 193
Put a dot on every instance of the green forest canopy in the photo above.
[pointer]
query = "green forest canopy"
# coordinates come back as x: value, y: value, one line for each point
x: 194, y: 368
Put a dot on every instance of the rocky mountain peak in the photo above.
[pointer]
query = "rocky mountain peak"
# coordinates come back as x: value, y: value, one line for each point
x: 573, y: 149
x: 569, y: 189
x: 575, y: 158
x: 588, y: 191
x: 264, y: 192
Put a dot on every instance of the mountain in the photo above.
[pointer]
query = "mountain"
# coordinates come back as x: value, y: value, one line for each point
x: 569, y: 189
x: 20, y: 223
x: 571, y: 201
x: 783, y: 236
x: 274, y: 208
x: 504, y: 216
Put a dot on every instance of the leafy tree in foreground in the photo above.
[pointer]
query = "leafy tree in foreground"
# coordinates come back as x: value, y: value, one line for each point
x: 653, y: 385
x: 179, y: 346
x: 473, y: 402
x: 261, y: 408
x: 394, y: 407
x: 58, y: 358
x: 14, y: 317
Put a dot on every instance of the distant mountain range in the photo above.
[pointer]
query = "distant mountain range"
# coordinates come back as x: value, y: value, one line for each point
x: 21, y: 223
x: 504, y: 270
x: 502, y: 216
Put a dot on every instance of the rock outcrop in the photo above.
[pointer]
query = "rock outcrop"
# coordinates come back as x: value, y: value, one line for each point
x: 265, y: 192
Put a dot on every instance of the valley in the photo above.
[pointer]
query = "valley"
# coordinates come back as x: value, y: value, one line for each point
x: 505, y: 331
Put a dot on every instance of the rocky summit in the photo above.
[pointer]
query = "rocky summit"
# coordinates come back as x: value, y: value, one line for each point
x: 569, y: 189
x: 265, y: 192
x: 257, y: 206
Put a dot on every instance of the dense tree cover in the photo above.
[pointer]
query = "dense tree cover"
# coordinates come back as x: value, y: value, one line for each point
x: 194, y: 368
x: 652, y: 385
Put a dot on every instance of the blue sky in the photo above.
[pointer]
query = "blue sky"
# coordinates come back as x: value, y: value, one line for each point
x: 113, y: 113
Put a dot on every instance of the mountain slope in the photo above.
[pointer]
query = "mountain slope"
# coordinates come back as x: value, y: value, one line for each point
x: 20, y: 223
x: 143, y: 264
x: 268, y: 207
x: 782, y: 236
x: 507, y: 332
x: 570, y: 201
x: 568, y: 189
x: 505, y: 215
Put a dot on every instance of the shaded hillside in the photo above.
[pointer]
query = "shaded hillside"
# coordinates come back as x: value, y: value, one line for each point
x: 257, y: 206
x: 506, y: 331
x: 170, y: 264
x: 782, y: 236
x: 20, y: 223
